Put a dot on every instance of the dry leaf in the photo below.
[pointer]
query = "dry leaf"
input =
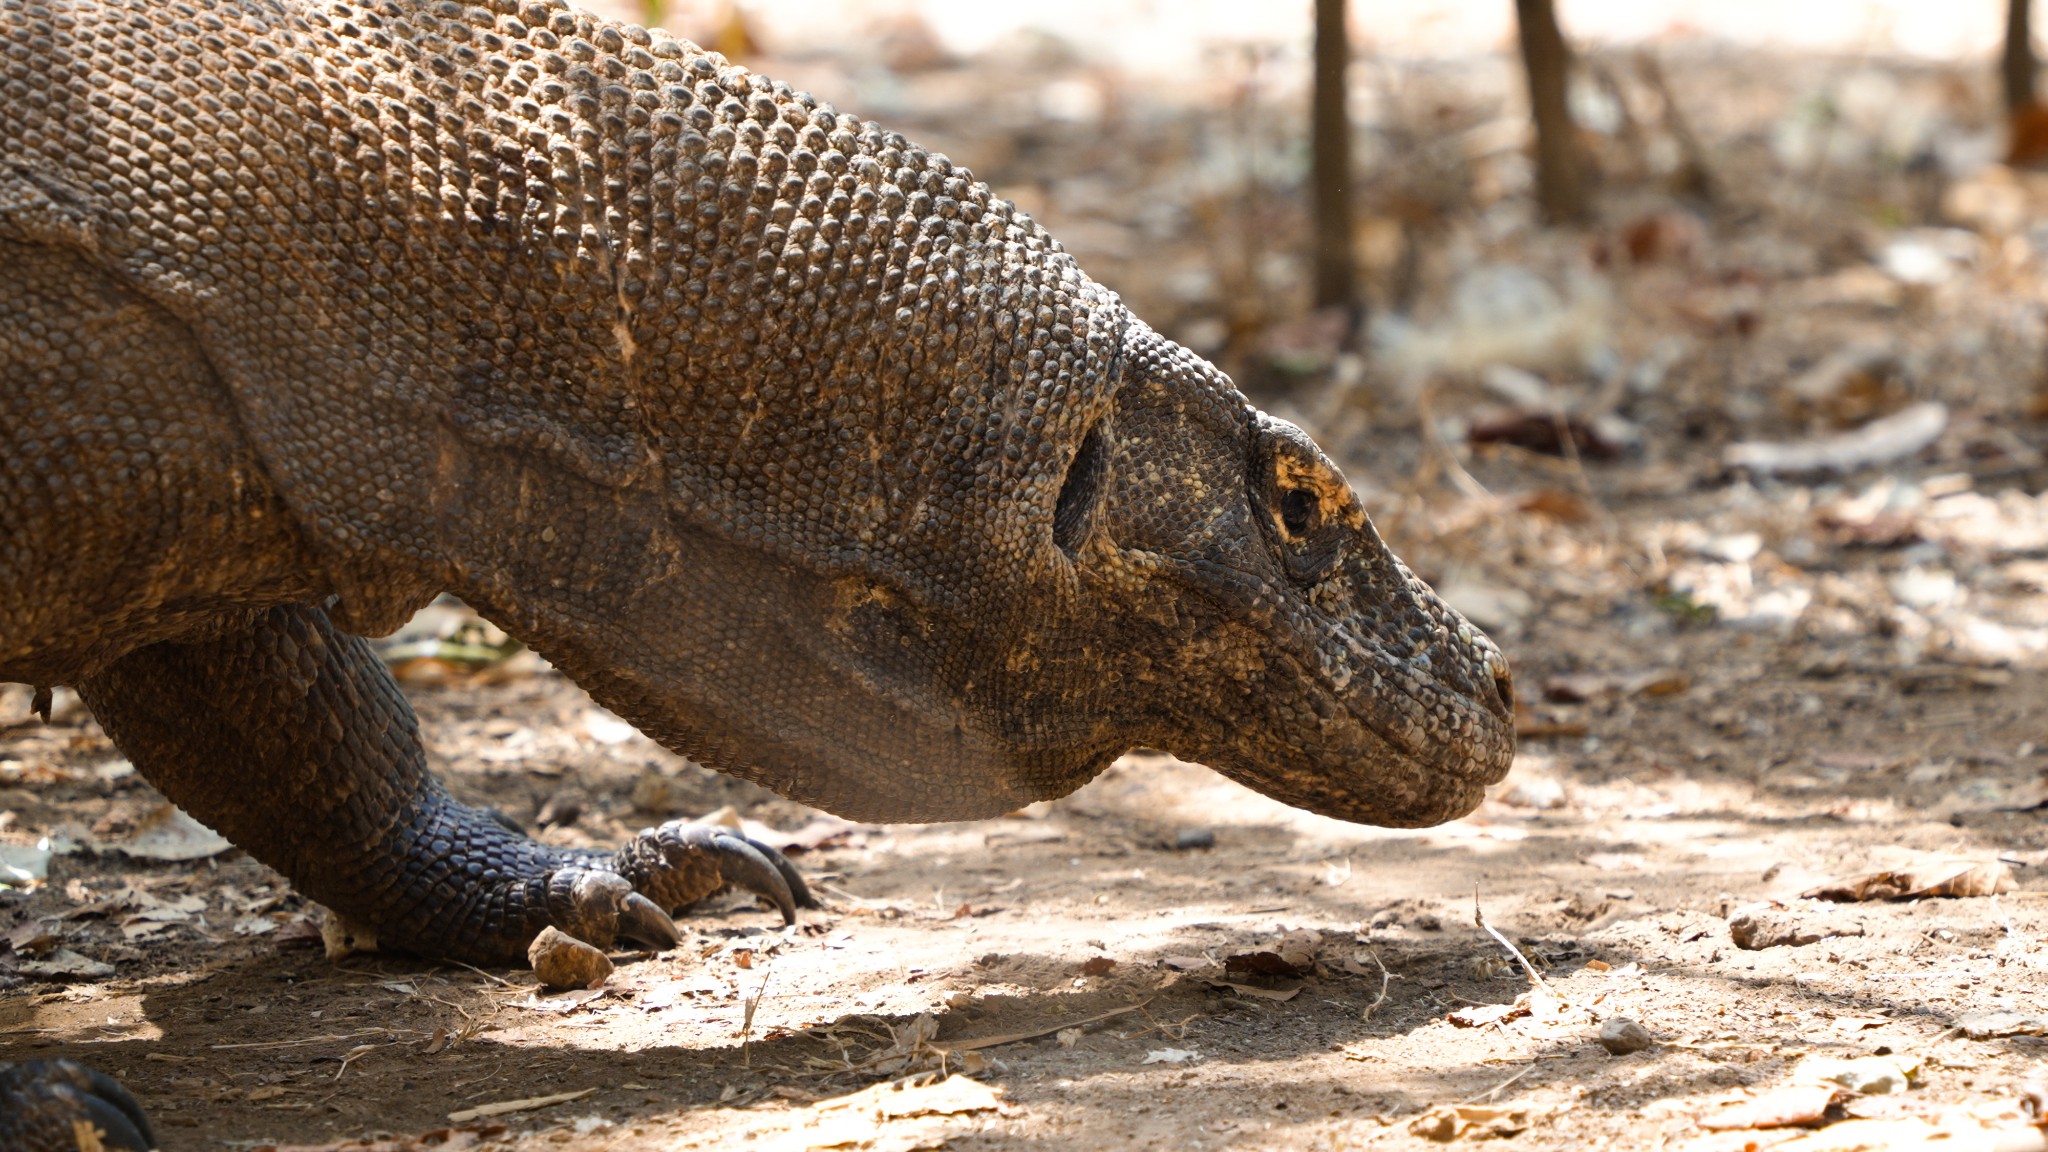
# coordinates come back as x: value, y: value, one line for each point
x: 561, y: 1001
x: 919, y: 1096
x: 1916, y: 1135
x: 1097, y: 966
x: 64, y: 964
x: 1447, y: 1122
x: 1792, y: 1105
x: 1998, y: 1023
x: 1864, y: 1075
x: 1951, y: 878
x: 1485, y: 1014
x: 899, y: 1116
x: 166, y: 833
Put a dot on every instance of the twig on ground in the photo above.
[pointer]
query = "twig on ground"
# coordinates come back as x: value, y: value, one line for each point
x: 388, y: 1033
x: 843, y: 894
x: 1490, y: 1093
x: 1174, y: 1031
x: 747, y: 1023
x: 1479, y: 918
x: 484, y: 974
x: 1386, y: 978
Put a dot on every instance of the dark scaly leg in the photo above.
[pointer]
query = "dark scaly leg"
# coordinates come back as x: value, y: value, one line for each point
x: 44, y: 1105
x: 290, y: 739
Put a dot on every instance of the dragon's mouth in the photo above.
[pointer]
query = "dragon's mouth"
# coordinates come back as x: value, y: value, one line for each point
x: 1391, y: 744
x: 1365, y: 778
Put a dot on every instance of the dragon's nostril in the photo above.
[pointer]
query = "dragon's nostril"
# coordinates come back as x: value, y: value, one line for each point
x: 1504, y: 687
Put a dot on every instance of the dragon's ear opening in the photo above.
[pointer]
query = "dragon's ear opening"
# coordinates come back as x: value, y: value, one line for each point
x: 1074, y: 515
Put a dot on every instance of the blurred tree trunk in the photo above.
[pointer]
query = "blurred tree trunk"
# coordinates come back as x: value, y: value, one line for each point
x: 1336, y: 280
x: 1560, y: 168
x: 2016, y: 64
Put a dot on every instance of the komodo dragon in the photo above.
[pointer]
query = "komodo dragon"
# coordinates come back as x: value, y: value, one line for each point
x: 783, y: 437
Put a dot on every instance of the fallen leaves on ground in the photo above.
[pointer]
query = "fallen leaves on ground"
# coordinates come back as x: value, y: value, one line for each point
x: 1999, y: 1023
x: 1447, y: 1122
x: 898, y: 1116
x: 1960, y: 878
x: 1538, y: 1005
x: 165, y: 833
x: 1786, y: 1106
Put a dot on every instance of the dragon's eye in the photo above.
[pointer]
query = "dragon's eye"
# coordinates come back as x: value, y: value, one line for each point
x: 1298, y: 511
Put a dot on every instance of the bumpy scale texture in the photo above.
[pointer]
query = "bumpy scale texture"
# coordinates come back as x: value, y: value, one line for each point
x: 783, y: 437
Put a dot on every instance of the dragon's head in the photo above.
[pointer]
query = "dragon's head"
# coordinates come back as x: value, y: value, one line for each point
x: 1236, y: 607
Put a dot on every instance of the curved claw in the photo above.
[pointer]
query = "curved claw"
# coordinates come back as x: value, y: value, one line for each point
x: 117, y: 1112
x: 798, y: 890
x: 50, y: 1096
x: 743, y: 864
x: 640, y: 919
x: 119, y: 1127
x: 681, y: 862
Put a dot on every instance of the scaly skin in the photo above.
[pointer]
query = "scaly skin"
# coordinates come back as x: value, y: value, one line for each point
x: 783, y: 437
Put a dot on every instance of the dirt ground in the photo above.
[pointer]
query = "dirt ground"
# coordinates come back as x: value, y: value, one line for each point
x: 1737, y: 688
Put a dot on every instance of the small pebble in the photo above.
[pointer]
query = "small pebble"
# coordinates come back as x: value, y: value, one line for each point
x: 563, y: 961
x: 1189, y: 838
x: 1764, y: 925
x: 1621, y: 1036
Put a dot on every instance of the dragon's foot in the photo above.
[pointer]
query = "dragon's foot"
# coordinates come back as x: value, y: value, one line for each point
x: 49, y: 1105
x: 680, y: 863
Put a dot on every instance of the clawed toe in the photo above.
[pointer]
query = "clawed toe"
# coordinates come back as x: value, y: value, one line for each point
x: 680, y: 863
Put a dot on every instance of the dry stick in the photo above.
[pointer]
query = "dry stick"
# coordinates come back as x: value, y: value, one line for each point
x: 393, y: 1033
x: 860, y: 901
x: 1167, y: 1030
x: 1495, y: 1090
x: 486, y: 975
x: 1479, y: 918
x: 1385, y: 978
x: 747, y: 1024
